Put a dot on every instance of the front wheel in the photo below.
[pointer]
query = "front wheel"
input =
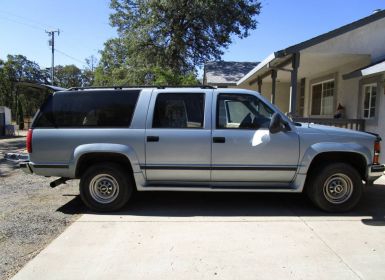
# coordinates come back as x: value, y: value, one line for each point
x: 337, y: 187
x: 105, y: 187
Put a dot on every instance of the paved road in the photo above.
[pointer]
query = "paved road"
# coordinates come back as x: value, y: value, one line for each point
x: 220, y: 236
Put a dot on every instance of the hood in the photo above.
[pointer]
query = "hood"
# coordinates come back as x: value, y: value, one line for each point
x: 335, y: 131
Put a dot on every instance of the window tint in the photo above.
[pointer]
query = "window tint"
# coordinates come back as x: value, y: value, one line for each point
x: 242, y: 111
x: 179, y: 110
x: 88, y: 109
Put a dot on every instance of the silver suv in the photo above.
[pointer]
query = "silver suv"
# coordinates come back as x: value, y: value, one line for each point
x: 119, y: 140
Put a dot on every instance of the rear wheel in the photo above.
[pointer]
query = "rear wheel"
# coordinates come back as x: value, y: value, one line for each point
x: 105, y: 187
x: 336, y: 187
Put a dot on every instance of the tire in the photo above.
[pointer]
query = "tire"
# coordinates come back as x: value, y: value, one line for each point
x: 336, y: 187
x: 105, y: 187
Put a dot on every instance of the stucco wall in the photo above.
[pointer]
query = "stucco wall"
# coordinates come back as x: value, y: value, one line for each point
x: 282, y: 93
x: 346, y: 91
x: 368, y: 39
x: 378, y: 124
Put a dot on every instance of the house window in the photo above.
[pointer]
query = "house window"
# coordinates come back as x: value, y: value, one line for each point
x: 322, y: 98
x: 301, y: 99
x: 370, y: 92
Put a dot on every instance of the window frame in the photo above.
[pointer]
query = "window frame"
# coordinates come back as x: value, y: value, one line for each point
x: 364, y: 86
x: 180, y: 128
x: 322, y: 82
x: 236, y: 94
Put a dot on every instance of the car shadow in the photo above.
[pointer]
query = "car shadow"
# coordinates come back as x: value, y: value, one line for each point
x: 190, y: 204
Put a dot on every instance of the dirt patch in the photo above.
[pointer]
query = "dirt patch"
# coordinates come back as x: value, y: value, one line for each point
x: 31, y: 213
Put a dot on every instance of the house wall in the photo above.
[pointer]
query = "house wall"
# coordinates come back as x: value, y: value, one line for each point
x: 282, y: 93
x: 368, y: 39
x: 346, y: 91
x: 381, y: 116
x: 377, y: 124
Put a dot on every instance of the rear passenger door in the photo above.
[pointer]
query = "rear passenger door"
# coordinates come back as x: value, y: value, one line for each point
x: 178, y: 136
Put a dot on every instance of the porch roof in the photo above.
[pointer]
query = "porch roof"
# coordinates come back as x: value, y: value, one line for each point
x: 324, y: 50
x: 366, y: 71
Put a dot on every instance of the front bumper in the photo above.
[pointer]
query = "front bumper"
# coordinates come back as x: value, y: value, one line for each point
x: 26, y: 167
x: 375, y: 171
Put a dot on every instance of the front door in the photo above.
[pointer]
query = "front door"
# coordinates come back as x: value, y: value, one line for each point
x: 243, y: 149
x: 178, y: 137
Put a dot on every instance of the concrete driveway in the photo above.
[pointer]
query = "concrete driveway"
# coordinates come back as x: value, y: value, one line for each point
x: 219, y: 236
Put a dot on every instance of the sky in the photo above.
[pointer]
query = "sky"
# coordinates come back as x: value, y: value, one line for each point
x: 84, y: 27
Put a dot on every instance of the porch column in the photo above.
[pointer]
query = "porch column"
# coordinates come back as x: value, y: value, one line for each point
x: 259, y: 85
x: 273, y: 82
x: 293, y: 85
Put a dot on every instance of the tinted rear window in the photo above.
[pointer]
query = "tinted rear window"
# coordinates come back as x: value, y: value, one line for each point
x: 88, y: 109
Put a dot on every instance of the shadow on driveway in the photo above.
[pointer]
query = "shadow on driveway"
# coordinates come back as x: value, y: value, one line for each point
x: 190, y: 204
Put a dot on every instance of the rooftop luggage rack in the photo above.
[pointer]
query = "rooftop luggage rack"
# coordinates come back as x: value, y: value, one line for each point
x: 123, y: 87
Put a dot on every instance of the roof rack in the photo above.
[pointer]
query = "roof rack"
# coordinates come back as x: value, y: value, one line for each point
x: 122, y: 87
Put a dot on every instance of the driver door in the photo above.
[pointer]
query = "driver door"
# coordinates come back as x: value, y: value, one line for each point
x: 243, y: 149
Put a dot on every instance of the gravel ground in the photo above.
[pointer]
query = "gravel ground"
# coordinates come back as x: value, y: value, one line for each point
x: 31, y: 213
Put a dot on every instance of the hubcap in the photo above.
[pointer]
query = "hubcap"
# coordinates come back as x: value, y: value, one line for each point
x: 338, y: 188
x: 104, y: 188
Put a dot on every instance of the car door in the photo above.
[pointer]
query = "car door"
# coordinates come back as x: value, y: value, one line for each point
x: 178, y: 136
x: 243, y: 149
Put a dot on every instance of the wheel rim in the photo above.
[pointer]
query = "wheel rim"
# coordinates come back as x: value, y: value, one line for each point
x: 338, y: 188
x: 104, y: 188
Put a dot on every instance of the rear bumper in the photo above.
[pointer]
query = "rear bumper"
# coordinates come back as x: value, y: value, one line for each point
x: 26, y: 167
x: 375, y: 171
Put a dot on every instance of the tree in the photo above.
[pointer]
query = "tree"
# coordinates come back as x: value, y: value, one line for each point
x: 15, y: 72
x: 88, y: 73
x: 171, y: 35
x: 68, y: 76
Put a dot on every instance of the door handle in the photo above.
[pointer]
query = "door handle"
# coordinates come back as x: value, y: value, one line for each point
x: 152, y: 138
x: 219, y: 139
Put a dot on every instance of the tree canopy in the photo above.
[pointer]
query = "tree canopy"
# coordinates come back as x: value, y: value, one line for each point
x: 156, y: 38
x: 20, y: 80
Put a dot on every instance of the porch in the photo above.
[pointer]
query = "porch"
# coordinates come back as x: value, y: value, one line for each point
x: 355, y: 124
x: 309, y: 80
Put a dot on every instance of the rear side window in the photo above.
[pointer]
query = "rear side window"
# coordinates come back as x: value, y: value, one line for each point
x: 179, y: 110
x: 88, y: 109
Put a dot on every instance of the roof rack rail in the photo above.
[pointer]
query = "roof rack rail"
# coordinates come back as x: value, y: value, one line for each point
x: 122, y: 87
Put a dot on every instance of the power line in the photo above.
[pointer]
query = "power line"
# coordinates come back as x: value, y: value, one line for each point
x: 35, y: 22
x: 23, y: 23
x: 69, y: 56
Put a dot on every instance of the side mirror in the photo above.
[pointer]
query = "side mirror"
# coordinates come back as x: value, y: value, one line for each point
x: 277, y: 124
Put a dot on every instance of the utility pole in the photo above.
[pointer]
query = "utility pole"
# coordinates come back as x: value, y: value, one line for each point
x: 51, y: 42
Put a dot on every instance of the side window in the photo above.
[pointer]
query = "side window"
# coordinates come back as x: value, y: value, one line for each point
x: 242, y: 111
x: 179, y: 110
x: 91, y: 109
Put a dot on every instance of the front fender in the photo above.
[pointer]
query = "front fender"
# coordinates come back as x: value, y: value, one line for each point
x: 104, y: 148
x: 327, y: 147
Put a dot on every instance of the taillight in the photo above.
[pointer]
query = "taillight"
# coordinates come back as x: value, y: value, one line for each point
x: 29, y: 141
x: 377, y: 151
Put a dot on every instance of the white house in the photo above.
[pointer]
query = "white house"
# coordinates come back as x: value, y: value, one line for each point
x: 345, y: 66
